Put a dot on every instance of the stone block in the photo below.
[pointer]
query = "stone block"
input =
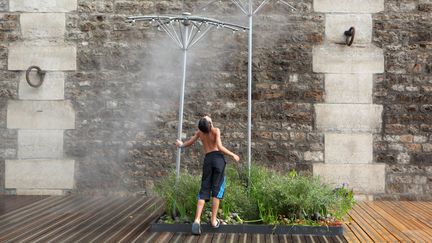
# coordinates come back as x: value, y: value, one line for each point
x: 39, y: 174
x: 337, y: 24
x: 49, y: 115
x: 43, y: 25
x: 348, y: 88
x: 40, y: 192
x: 343, y: 59
x: 348, y: 6
x: 42, y: 5
x: 4, y: 5
x: 348, y: 148
x: 37, y: 144
x: 52, y: 87
x: 315, y: 156
x: 48, y: 57
x: 362, y: 178
x: 347, y: 118
x: 364, y: 197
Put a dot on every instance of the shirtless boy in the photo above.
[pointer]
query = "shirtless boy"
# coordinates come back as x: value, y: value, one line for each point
x: 213, y: 177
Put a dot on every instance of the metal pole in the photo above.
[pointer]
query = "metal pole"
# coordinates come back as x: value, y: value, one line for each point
x: 180, y: 125
x: 182, y: 90
x: 250, y: 90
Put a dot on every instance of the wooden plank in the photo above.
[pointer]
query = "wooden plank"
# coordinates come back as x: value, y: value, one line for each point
x: 258, y: 238
x: 316, y: 239
x: 414, y: 222
x: 410, y: 222
x: 10, y: 203
x: 358, y: 231
x: 137, y: 222
x: 245, y: 238
x: 374, y: 229
x: 400, y: 226
x: 370, y: 230
x: 219, y: 238
x: 375, y: 224
x: 386, y: 223
x: 418, y: 211
x: 232, y: 238
x: 143, y: 236
x: 297, y: 239
x: 285, y: 239
x: 205, y: 238
x: 94, y: 227
x: 271, y: 238
x: 105, y: 231
x: 44, y: 219
x: 349, y: 235
x: 23, y: 222
x: 46, y: 223
x: 88, y: 218
x: 191, y: 238
x: 85, y: 217
x: 329, y: 239
x: 340, y: 239
x: 426, y: 204
x: 28, y: 211
x: 162, y: 237
x: 335, y: 239
x: 177, y: 238
x: 324, y: 239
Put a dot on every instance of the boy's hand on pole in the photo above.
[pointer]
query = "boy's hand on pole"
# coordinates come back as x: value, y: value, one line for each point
x: 178, y: 143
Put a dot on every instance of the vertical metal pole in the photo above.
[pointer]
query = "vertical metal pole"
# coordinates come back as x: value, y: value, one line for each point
x: 180, y: 125
x: 182, y: 90
x: 250, y: 90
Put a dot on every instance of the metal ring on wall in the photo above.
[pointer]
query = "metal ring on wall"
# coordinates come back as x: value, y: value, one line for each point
x: 40, y: 73
x: 350, y: 34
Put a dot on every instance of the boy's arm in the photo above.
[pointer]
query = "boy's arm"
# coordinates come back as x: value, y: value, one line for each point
x: 188, y: 142
x: 223, y: 149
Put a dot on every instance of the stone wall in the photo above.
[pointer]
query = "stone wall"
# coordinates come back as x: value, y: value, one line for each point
x: 126, y: 117
x: 124, y: 92
x: 9, y: 33
x: 403, y: 31
x: 34, y: 33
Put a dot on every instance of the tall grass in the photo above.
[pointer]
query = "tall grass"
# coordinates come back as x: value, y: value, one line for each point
x: 272, y: 198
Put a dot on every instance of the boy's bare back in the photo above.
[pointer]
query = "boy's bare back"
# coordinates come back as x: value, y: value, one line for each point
x: 209, y: 140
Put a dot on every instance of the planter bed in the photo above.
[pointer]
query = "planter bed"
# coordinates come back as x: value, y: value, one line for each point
x: 253, y: 229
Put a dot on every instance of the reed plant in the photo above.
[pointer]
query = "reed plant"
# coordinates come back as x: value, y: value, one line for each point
x: 269, y: 198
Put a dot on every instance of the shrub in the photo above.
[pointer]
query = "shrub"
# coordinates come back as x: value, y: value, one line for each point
x: 183, y: 198
x: 272, y: 198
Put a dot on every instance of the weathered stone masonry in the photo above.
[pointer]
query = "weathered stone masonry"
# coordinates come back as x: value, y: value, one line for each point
x: 125, y: 114
x: 348, y: 118
x: 403, y: 31
x: 40, y: 115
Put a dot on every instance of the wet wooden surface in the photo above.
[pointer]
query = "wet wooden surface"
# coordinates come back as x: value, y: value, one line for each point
x: 127, y: 219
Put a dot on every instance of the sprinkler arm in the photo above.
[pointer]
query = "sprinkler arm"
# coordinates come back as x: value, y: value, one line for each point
x: 167, y: 19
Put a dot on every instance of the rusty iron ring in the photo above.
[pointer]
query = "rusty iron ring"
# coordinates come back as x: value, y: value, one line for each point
x: 350, y: 34
x: 39, y: 72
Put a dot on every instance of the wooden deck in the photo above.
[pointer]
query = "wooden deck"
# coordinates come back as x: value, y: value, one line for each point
x: 127, y: 219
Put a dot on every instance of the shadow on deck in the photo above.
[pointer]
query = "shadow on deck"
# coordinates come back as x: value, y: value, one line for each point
x: 127, y: 219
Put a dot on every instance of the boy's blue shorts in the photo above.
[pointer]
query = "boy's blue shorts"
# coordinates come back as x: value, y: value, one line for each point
x: 213, y: 176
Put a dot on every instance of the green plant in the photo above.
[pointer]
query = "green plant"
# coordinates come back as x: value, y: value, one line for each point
x: 272, y: 198
x: 236, y: 199
x: 183, y: 198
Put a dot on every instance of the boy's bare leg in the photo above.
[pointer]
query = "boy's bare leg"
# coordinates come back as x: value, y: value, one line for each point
x: 200, y: 206
x: 215, y: 207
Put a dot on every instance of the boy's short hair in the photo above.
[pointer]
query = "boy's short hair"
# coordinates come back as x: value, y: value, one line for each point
x: 204, y: 125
